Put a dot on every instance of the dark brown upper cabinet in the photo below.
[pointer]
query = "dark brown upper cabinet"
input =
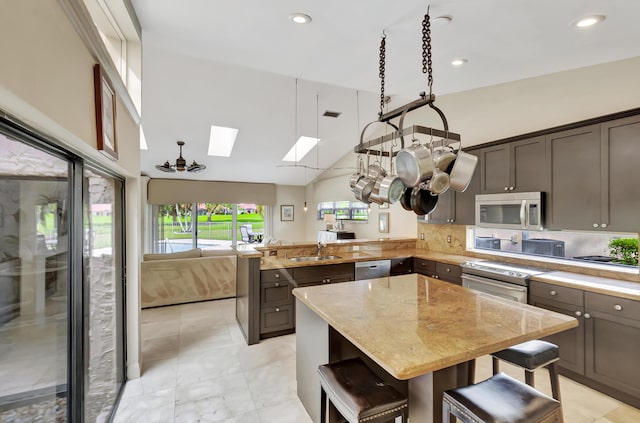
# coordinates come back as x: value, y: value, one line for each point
x: 518, y: 166
x: 595, y: 176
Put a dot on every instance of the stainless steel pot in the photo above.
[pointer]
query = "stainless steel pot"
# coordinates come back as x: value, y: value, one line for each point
x: 439, y: 182
x: 414, y: 164
x: 462, y: 171
x: 363, y: 189
x: 390, y: 188
x: 443, y: 159
x: 359, y: 174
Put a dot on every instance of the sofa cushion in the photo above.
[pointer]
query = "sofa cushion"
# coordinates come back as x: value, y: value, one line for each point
x: 217, y: 253
x: 196, y: 252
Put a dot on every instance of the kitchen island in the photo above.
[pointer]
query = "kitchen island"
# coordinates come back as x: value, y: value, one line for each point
x: 415, y: 332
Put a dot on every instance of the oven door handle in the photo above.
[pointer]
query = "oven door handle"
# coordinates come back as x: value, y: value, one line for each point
x: 502, y: 285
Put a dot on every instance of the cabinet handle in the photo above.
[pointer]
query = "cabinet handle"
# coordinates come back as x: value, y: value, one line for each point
x: 328, y: 280
x: 617, y: 307
x: 587, y: 316
x: 448, y: 270
x: 324, y: 281
x: 277, y: 284
x: 604, y: 225
x: 578, y: 313
x: 277, y: 309
x: 553, y: 293
x: 511, y: 188
x: 277, y: 275
x: 595, y: 225
x: 436, y: 276
x: 506, y: 188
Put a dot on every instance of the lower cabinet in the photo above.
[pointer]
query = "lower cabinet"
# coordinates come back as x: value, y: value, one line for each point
x: 437, y: 270
x: 277, y: 307
x: 277, y: 304
x: 603, y: 350
x: 401, y: 266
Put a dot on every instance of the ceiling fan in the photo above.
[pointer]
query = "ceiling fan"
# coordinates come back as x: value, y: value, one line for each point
x: 181, y: 164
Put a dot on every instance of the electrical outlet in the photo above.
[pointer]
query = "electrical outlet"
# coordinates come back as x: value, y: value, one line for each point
x: 273, y: 252
x: 356, y: 248
x: 448, y: 239
x: 421, y: 236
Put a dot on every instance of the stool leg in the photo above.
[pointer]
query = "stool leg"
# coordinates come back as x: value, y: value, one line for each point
x: 529, y: 378
x: 555, y: 383
x: 323, y: 405
x: 496, y: 365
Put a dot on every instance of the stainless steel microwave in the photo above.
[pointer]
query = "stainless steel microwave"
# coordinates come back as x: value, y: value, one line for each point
x: 516, y: 210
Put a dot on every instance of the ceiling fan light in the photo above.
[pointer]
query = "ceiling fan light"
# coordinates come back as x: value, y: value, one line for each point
x: 195, y: 167
x: 166, y: 167
x: 181, y: 164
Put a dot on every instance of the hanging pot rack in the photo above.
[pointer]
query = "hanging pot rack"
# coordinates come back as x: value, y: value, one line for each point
x: 446, y: 137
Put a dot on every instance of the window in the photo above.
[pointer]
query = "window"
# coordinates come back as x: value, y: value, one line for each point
x: 120, y: 38
x: 344, y: 210
x: 183, y: 226
x: 612, y: 249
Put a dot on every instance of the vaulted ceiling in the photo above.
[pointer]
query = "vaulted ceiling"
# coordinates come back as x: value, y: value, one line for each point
x: 235, y: 63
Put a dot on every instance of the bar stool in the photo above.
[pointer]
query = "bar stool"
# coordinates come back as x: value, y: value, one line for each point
x: 358, y: 394
x: 530, y: 356
x: 500, y: 399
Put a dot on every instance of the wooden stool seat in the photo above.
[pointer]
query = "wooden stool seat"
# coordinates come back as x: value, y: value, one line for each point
x: 358, y: 394
x: 530, y: 356
x: 500, y: 399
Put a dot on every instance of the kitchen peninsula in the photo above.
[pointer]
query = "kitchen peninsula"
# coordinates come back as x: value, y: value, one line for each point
x: 415, y: 332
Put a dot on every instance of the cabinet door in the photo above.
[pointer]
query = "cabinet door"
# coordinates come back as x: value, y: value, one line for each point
x: 445, y: 209
x: 570, y: 342
x: 574, y: 200
x: 529, y: 165
x: 465, y: 202
x: 494, y: 169
x: 424, y: 267
x: 621, y: 193
x: 401, y: 266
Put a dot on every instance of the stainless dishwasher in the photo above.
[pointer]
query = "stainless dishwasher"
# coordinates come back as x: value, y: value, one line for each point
x: 372, y: 269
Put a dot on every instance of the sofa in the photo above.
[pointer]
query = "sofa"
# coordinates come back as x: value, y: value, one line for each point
x: 188, y: 276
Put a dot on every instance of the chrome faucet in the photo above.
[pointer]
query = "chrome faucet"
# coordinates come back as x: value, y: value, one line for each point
x: 321, y: 244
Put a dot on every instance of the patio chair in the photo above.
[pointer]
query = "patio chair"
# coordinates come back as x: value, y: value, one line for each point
x: 246, y: 235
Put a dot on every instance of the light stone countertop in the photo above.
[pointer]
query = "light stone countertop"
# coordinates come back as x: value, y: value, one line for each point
x: 412, y: 325
x: 607, y: 286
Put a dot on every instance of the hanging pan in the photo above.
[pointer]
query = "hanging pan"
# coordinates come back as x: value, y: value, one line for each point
x: 462, y: 171
x: 422, y: 202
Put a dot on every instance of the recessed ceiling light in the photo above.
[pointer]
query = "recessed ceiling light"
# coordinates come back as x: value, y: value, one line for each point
x: 442, y: 20
x: 588, y: 21
x: 300, y: 18
x: 300, y: 149
x: 221, y: 140
x: 458, y: 62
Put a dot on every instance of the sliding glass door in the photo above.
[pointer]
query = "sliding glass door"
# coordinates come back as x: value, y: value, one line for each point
x: 61, y: 283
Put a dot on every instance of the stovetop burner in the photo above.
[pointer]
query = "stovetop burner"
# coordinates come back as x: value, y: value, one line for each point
x: 506, y: 272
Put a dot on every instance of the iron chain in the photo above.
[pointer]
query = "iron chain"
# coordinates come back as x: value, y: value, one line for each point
x: 426, y: 50
x: 381, y: 74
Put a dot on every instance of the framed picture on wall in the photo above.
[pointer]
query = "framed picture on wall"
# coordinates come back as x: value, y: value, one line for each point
x: 105, y: 102
x: 383, y: 223
x: 286, y: 213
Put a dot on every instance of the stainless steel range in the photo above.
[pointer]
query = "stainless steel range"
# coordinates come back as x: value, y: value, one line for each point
x: 504, y: 280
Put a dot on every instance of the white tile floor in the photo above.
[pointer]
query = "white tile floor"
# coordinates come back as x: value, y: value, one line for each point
x: 198, y: 368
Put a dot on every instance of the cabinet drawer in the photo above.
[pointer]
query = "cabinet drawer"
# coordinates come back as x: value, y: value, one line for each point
x: 314, y: 275
x: 444, y: 270
x: 275, y: 275
x: 424, y: 267
x: 556, y: 293
x: 401, y: 266
x: 273, y: 319
x: 614, y: 306
x: 275, y: 293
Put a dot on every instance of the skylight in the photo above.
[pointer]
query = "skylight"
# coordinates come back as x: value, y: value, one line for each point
x: 221, y: 140
x: 300, y: 149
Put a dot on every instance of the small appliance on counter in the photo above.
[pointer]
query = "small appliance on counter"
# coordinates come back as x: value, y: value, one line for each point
x: 488, y: 242
x: 543, y: 247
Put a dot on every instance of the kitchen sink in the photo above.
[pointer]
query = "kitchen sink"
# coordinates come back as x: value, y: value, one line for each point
x: 314, y: 258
